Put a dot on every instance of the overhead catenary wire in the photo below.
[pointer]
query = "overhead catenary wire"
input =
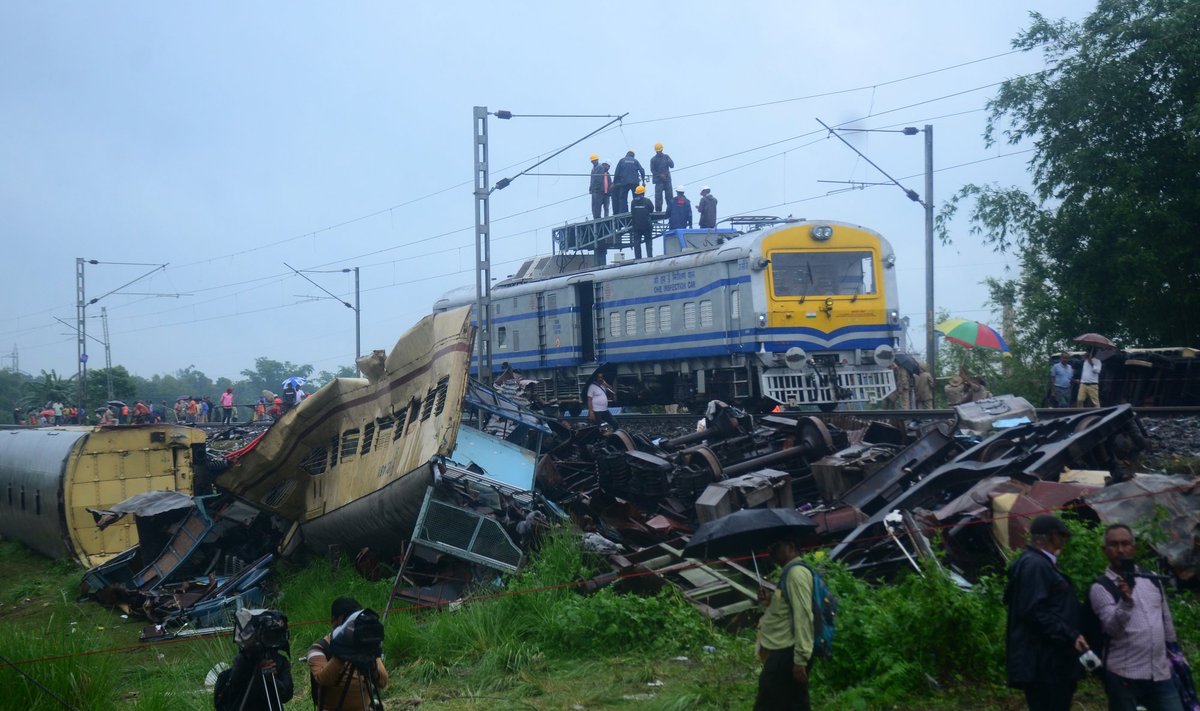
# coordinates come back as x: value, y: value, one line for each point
x: 376, y: 213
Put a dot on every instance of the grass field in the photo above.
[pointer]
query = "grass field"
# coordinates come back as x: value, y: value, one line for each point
x: 920, y: 644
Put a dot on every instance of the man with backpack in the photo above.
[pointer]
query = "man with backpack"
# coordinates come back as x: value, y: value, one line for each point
x: 787, y: 633
x: 1136, y: 626
x: 1044, y: 640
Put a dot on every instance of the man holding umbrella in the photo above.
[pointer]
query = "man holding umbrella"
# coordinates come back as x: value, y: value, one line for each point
x: 786, y: 634
x: 1089, y: 381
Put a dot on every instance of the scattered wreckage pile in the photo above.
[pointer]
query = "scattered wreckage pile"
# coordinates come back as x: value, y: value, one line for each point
x: 880, y: 495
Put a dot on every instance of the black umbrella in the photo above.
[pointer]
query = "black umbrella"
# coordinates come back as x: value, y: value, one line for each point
x: 115, y: 403
x: 909, y: 363
x: 746, y: 530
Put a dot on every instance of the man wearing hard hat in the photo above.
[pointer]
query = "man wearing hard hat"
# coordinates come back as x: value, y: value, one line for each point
x: 660, y: 169
x: 640, y: 212
x: 598, y: 187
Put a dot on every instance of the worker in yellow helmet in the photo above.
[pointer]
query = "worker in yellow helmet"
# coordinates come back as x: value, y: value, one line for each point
x: 660, y: 169
x: 598, y: 187
x: 639, y: 211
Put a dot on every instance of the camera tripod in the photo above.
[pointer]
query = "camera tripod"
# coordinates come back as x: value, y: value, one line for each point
x: 270, y: 689
x: 369, y: 691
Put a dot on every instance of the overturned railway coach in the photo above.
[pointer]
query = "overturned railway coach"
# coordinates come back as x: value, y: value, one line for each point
x: 52, y: 478
x: 801, y: 312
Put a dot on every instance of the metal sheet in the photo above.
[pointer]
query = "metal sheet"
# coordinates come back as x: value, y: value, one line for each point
x: 33, y: 463
x: 500, y: 460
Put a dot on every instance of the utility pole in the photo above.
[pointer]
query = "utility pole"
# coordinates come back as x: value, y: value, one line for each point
x: 107, y: 351
x: 483, y: 241
x: 927, y: 203
x: 81, y: 336
x: 357, y: 324
x: 483, y: 247
x: 930, y: 338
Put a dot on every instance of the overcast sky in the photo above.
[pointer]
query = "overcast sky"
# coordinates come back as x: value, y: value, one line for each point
x: 225, y: 139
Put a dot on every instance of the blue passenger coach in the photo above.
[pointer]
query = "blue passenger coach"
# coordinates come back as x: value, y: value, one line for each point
x: 795, y: 313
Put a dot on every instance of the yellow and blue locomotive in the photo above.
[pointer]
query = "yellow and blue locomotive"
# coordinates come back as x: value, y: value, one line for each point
x: 794, y: 312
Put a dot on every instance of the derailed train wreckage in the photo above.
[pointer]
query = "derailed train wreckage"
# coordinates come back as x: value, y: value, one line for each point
x: 419, y: 472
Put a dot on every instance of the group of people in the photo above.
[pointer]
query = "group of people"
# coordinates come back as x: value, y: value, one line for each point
x: 630, y: 177
x: 911, y: 388
x: 1047, y: 649
x: 1063, y: 375
x: 261, y: 680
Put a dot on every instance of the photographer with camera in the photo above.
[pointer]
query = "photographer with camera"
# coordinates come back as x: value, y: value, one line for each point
x: 345, y: 666
x: 1137, y: 626
x: 260, y: 678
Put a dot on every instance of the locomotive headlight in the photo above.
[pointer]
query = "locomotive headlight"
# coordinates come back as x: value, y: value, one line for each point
x: 894, y: 317
x: 822, y: 232
x: 889, y: 261
x: 762, y: 320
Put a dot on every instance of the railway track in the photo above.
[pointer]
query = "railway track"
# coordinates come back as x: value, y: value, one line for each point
x: 667, y: 422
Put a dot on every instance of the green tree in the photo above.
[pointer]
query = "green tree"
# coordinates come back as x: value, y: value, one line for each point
x: 1106, y: 239
x: 12, y: 389
x: 48, y: 387
x: 269, y: 374
x: 124, y: 386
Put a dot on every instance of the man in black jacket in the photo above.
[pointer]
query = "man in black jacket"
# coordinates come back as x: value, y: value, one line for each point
x: 1044, y: 641
x: 627, y: 175
x: 640, y: 212
x: 707, y: 208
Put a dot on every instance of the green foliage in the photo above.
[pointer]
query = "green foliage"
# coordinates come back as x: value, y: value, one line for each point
x: 47, y: 387
x: 894, y: 640
x: 123, y: 386
x: 1113, y: 123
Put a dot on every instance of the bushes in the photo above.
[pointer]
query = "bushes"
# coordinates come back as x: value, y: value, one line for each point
x: 895, y: 640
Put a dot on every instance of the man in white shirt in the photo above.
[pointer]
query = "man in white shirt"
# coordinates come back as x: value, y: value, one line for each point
x: 1089, y: 381
x: 597, y: 396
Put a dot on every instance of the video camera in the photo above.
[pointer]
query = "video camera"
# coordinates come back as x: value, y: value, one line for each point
x: 259, y: 630
x: 359, y: 639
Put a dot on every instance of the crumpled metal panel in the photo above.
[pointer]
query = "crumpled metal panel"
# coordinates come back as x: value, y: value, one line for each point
x: 465, y: 534
x: 1148, y: 496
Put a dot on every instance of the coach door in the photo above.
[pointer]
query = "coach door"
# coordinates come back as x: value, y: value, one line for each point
x: 585, y: 301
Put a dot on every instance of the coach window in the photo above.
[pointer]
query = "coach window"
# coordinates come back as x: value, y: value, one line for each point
x: 502, y: 337
x: 664, y: 319
x: 516, y: 339
x: 735, y: 304
x: 651, y: 317
x: 630, y: 322
x: 551, y: 302
x: 689, y: 316
x: 614, y: 324
x: 706, y: 314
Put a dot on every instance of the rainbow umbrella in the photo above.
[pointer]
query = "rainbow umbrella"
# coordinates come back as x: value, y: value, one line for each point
x: 971, y: 334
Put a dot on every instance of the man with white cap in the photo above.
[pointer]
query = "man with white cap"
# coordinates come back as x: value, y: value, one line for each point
x: 707, y: 208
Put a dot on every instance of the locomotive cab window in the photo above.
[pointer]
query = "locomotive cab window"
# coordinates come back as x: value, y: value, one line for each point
x: 823, y: 273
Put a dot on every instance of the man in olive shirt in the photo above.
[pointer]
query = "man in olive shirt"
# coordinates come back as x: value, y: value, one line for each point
x: 786, y: 635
